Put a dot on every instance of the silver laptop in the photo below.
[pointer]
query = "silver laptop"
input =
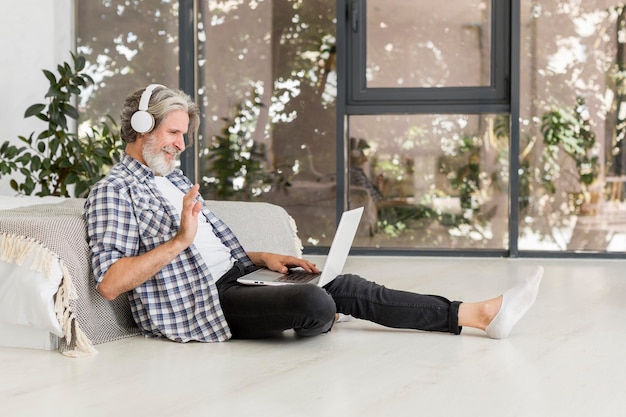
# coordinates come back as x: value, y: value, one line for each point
x: 337, y: 256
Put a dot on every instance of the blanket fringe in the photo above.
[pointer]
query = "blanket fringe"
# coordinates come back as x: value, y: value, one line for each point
x: 16, y: 250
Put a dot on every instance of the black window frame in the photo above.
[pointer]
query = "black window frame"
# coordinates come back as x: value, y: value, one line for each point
x: 494, y: 98
x: 355, y: 98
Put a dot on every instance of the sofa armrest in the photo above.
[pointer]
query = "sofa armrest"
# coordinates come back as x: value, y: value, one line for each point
x: 260, y: 227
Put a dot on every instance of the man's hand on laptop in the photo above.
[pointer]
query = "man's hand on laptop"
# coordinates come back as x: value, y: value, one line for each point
x: 281, y: 263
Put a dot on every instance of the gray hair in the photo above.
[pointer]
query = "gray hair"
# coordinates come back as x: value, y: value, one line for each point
x: 162, y: 102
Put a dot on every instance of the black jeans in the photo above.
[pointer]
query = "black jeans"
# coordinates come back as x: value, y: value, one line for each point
x: 263, y: 311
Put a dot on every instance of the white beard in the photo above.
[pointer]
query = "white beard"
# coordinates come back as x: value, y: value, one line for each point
x: 156, y: 160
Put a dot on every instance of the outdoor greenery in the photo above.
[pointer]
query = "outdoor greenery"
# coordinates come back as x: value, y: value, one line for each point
x: 465, y: 179
x: 235, y: 159
x: 568, y: 129
x: 56, y: 159
x: 567, y: 50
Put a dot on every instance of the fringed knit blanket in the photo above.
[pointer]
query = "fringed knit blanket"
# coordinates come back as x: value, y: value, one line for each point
x: 57, y: 232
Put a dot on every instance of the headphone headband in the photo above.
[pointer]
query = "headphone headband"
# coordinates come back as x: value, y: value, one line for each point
x: 147, y: 94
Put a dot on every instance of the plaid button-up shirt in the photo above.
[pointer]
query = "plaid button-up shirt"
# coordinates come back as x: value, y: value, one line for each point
x: 128, y: 216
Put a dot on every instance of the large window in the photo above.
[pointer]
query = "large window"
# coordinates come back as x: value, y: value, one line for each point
x: 264, y: 73
x: 427, y: 54
x: 428, y: 99
x: 267, y: 85
x: 128, y: 45
x: 572, y: 116
x: 410, y: 108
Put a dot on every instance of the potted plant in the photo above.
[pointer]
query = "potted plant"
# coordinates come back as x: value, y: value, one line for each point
x: 57, y: 159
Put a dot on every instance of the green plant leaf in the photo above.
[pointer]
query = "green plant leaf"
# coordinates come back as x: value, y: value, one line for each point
x: 35, y: 163
x: 24, y: 159
x: 79, y: 63
x: 50, y: 76
x: 72, y: 178
x: 71, y: 111
x: 34, y: 110
x: 45, y: 134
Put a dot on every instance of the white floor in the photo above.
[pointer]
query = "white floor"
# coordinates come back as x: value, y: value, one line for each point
x: 565, y: 358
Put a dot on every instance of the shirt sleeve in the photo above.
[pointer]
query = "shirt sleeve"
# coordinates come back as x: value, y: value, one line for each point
x: 111, y: 228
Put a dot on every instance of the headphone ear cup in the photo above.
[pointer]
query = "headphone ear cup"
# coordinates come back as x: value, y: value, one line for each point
x: 142, y: 121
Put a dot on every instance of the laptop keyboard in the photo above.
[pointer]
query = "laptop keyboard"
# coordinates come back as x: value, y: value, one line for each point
x: 298, y: 276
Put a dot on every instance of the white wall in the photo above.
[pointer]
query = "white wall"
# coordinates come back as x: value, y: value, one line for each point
x: 34, y: 35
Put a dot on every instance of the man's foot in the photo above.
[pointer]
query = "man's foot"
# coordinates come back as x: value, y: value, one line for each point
x: 515, y: 303
x: 340, y: 318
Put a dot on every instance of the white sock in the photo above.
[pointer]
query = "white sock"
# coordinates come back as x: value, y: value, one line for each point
x: 341, y: 318
x: 515, y: 303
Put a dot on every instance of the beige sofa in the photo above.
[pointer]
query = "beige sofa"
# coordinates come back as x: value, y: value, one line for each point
x: 313, y: 206
x: 46, y: 284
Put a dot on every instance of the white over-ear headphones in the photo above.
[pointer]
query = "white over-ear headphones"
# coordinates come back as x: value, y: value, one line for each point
x: 142, y: 121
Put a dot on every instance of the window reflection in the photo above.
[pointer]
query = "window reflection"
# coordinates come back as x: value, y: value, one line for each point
x: 432, y: 181
x: 423, y: 43
x: 268, y: 93
x: 127, y: 45
x: 572, y: 126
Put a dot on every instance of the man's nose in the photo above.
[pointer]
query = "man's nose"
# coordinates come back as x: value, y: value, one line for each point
x: 180, y: 142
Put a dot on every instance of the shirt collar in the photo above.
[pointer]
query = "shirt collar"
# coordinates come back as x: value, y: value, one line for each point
x: 139, y: 170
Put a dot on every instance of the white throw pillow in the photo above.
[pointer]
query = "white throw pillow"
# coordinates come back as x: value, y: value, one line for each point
x: 27, y: 295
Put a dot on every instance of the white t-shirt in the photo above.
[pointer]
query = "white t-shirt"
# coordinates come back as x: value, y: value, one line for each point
x: 215, y: 254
